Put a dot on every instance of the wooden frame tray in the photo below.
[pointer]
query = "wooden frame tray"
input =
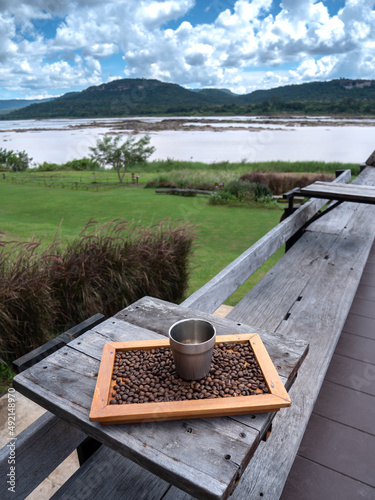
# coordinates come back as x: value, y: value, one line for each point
x: 102, y: 411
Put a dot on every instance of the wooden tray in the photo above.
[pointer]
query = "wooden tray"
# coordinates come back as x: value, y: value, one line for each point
x: 102, y: 411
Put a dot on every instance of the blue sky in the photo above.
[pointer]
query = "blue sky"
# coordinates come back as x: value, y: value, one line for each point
x: 50, y: 47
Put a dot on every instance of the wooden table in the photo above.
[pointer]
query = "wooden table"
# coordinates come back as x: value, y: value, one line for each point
x: 341, y: 192
x: 204, y: 457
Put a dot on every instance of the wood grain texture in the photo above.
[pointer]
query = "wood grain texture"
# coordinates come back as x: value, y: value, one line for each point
x: 323, y: 294
x: 340, y: 192
x: 108, y: 475
x: 39, y: 450
x: 218, y: 289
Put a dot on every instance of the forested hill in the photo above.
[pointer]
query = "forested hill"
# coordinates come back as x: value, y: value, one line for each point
x: 132, y: 97
x: 334, y: 90
x: 7, y: 105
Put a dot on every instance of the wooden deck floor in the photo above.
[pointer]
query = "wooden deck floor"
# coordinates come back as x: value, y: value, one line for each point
x: 336, y: 459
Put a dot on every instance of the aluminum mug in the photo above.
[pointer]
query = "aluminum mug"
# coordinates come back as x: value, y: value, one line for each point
x: 192, y: 343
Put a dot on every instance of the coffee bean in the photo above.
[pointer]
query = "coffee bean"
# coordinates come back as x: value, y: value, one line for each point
x: 151, y: 376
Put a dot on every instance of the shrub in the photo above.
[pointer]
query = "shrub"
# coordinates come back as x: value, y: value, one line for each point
x: 279, y: 183
x: 105, y: 269
x: 50, y: 167
x: 14, y: 161
x: 222, y: 198
x: 241, y: 191
x: 82, y: 164
x: 190, y: 179
x: 27, y: 310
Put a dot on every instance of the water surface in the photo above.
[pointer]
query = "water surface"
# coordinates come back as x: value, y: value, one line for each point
x: 259, y: 140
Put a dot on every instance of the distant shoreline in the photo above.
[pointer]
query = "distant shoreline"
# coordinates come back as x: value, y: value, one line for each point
x: 212, y: 124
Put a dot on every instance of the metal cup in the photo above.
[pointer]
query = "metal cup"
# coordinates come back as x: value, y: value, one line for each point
x: 192, y: 342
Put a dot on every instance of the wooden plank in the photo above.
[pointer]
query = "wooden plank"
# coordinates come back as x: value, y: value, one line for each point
x: 359, y: 325
x: 366, y: 292
x: 341, y: 192
x: 218, y: 289
x: 329, y: 224
x: 347, y: 406
x: 357, y: 375
x: 309, y: 481
x: 36, y: 355
x: 316, y: 446
x: 109, y: 475
x: 39, y: 450
x: 318, y: 317
x: 368, y: 279
x: 356, y: 347
x: 364, y: 308
x: 271, y: 299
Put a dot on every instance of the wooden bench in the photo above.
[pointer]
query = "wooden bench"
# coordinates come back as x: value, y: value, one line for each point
x: 306, y: 295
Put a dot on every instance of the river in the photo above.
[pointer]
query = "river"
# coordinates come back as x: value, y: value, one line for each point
x: 200, y: 139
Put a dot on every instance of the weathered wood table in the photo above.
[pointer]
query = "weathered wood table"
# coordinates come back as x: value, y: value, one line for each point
x: 341, y: 192
x: 204, y: 457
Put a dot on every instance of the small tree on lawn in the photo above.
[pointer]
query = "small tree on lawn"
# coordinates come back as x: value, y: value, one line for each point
x: 122, y: 157
x: 16, y: 162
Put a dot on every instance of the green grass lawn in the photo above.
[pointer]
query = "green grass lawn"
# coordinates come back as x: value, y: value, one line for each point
x: 223, y: 232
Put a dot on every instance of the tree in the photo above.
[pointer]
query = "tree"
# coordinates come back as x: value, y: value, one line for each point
x: 121, y: 157
x: 16, y: 162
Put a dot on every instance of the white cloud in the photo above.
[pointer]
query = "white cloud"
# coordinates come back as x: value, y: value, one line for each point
x: 236, y: 51
x: 156, y: 13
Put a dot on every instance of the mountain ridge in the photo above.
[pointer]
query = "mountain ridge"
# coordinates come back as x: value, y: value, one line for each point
x: 140, y: 96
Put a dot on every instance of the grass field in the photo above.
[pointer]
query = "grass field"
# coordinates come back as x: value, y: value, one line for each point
x: 223, y: 233
x: 33, y: 204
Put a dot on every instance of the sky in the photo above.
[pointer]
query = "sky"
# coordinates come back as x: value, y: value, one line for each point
x: 51, y: 47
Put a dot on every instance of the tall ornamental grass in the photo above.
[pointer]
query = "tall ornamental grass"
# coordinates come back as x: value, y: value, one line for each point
x: 105, y: 269
x: 27, y: 308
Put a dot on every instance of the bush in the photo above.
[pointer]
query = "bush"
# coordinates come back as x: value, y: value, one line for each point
x: 279, y: 183
x: 105, y: 269
x: 241, y: 191
x: 190, y: 179
x: 27, y: 309
x: 15, y: 162
x: 82, y: 164
x: 222, y: 198
x: 49, y: 167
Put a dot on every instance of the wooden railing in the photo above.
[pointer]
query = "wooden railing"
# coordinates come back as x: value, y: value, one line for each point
x: 211, y: 295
